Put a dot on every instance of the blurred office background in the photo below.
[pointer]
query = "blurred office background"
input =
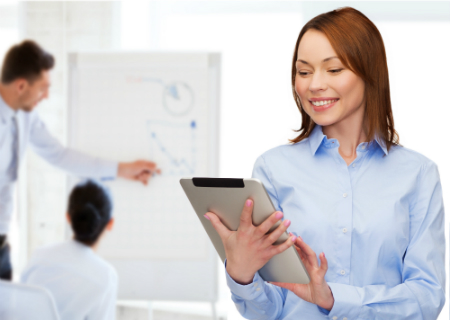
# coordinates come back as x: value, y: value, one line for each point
x: 256, y: 40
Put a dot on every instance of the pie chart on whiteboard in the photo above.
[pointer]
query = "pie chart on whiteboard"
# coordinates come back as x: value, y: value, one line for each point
x: 178, y: 98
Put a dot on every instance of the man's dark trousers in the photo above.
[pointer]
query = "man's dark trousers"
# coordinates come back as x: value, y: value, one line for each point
x: 5, y: 260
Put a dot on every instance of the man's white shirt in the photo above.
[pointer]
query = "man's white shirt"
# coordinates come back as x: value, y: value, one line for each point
x: 32, y: 131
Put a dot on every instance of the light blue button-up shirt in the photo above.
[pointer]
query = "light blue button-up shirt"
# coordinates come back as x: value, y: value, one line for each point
x: 31, y: 130
x: 379, y: 221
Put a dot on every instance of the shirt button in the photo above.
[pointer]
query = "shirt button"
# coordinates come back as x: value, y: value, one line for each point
x: 334, y: 318
x: 363, y: 147
x: 344, y: 230
x: 255, y: 285
x: 342, y: 272
x: 345, y: 195
x: 257, y: 289
x: 345, y: 318
x: 354, y: 165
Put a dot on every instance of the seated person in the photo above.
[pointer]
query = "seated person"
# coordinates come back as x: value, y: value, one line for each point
x: 83, y: 285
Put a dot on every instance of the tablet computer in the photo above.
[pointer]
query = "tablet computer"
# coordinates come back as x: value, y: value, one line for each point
x: 226, y: 197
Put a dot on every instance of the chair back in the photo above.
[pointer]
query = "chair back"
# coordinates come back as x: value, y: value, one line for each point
x: 23, y: 302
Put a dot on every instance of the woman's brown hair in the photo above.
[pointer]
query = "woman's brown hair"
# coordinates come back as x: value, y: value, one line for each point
x: 359, y: 46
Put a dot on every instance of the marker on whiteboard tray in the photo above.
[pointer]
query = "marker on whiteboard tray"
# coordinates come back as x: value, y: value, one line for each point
x: 154, y: 172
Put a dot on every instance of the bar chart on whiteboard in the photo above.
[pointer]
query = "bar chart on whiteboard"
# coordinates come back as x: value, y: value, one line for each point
x: 148, y: 114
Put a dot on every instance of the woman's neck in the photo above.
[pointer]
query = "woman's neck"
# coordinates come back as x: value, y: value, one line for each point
x: 349, y: 134
x: 94, y: 246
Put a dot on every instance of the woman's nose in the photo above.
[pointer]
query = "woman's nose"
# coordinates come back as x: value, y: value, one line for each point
x: 317, y: 83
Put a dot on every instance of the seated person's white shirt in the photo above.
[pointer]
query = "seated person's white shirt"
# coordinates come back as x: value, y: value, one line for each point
x: 83, y: 285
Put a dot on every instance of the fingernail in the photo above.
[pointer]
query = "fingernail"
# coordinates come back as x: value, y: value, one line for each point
x: 279, y: 215
x: 248, y: 203
x: 293, y: 238
x: 207, y: 217
x: 287, y: 223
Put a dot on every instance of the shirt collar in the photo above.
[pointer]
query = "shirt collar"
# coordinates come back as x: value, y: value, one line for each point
x: 6, y: 112
x: 316, y: 138
x: 381, y: 144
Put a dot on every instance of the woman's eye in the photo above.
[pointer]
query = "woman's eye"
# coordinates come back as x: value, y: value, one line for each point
x: 302, y: 73
x: 336, y: 70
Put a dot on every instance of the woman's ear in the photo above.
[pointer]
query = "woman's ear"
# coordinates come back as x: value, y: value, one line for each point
x: 68, y: 218
x: 110, y: 224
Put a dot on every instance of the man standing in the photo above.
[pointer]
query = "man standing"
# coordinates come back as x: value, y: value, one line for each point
x: 24, y: 82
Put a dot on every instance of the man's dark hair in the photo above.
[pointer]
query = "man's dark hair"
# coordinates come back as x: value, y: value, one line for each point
x: 25, y: 60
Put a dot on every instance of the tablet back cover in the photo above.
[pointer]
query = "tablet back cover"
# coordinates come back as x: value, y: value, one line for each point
x: 226, y: 198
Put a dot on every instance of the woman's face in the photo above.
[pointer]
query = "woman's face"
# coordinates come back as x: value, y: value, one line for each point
x: 329, y: 92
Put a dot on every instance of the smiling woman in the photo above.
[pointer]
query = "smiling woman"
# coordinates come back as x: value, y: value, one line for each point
x: 355, y: 63
x: 345, y: 188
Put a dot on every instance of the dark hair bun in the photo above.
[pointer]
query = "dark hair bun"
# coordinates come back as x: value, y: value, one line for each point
x: 90, y: 209
x: 86, y: 221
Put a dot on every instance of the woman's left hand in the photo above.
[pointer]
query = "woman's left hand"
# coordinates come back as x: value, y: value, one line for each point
x: 317, y: 290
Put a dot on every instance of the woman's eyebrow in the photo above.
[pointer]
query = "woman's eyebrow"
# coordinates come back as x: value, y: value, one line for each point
x: 324, y: 60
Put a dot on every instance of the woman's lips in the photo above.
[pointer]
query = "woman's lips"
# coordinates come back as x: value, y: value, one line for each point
x: 324, y: 107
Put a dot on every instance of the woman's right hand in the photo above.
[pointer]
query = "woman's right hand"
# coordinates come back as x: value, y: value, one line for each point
x: 250, y: 247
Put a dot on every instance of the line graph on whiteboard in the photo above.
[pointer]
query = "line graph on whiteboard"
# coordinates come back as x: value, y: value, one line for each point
x: 173, y: 146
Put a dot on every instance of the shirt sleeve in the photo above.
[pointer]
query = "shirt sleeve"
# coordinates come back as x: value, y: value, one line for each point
x: 259, y: 299
x: 421, y: 295
x: 77, y: 163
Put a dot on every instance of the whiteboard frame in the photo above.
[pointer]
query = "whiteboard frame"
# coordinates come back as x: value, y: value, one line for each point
x: 179, y: 288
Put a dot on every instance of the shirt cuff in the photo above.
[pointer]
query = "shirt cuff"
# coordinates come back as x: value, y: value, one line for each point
x: 108, y: 170
x: 347, y: 301
x: 246, y: 292
x: 324, y: 311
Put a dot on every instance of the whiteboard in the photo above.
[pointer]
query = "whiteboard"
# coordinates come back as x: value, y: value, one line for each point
x: 163, y: 107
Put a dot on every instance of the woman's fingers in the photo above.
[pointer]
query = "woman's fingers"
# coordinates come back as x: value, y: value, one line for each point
x: 282, y: 247
x: 301, y: 254
x: 223, y: 231
x: 246, y: 216
x: 264, y: 227
x: 323, y: 263
x: 311, y: 260
x: 275, y: 234
x: 309, y: 253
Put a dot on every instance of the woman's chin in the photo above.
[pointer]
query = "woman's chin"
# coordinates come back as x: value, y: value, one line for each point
x: 324, y: 120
